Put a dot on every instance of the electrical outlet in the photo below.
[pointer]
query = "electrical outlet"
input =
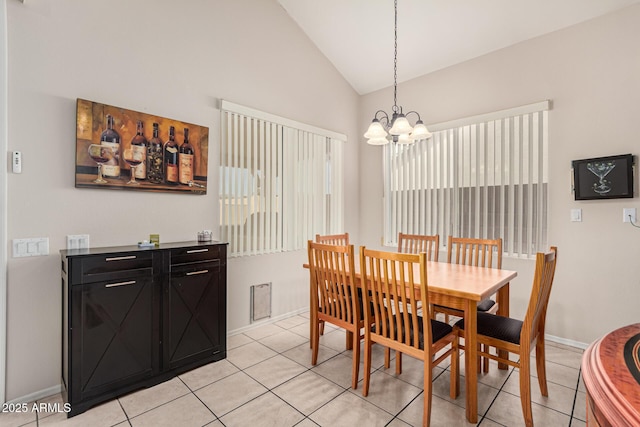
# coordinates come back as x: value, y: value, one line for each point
x: 78, y: 241
x: 629, y: 215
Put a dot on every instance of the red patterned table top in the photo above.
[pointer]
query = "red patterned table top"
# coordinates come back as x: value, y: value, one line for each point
x: 611, y: 373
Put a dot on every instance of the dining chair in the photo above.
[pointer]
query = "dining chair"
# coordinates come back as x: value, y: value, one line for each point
x: 416, y: 243
x: 332, y: 239
x: 479, y: 253
x: 476, y: 252
x: 335, y: 298
x: 510, y: 335
x: 393, y: 286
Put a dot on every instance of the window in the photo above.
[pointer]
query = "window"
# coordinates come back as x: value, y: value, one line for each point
x: 481, y: 177
x: 280, y: 182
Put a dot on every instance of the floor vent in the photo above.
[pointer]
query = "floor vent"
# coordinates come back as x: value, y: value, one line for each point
x: 260, y: 301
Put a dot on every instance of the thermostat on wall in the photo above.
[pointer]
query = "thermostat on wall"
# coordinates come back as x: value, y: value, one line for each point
x: 16, y: 162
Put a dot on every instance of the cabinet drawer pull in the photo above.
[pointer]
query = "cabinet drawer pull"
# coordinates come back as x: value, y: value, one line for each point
x: 112, y: 285
x: 192, y: 273
x: 195, y: 251
x: 120, y: 258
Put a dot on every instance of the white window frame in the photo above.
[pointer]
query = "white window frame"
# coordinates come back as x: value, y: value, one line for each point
x: 281, y: 181
x: 484, y: 176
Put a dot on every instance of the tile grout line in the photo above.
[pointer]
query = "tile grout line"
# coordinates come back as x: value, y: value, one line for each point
x: 124, y: 412
x: 575, y: 397
x: 495, y: 398
x: 196, y: 396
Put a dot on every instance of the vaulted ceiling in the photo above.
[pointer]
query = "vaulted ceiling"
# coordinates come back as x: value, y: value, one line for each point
x: 357, y: 36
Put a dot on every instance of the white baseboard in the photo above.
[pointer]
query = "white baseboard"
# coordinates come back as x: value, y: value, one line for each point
x: 566, y: 341
x: 267, y: 321
x: 37, y: 395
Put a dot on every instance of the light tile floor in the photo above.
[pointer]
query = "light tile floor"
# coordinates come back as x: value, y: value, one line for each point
x: 268, y: 380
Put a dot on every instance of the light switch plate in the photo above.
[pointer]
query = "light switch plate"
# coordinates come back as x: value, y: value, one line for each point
x: 576, y: 215
x: 629, y: 212
x: 37, y: 246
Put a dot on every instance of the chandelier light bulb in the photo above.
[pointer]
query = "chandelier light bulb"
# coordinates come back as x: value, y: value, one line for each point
x: 405, y: 138
x: 420, y: 132
x: 375, y: 130
x: 378, y: 141
x: 400, y: 126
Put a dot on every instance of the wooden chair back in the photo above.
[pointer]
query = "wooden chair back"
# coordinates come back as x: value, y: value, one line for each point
x: 541, y: 290
x: 416, y: 243
x: 390, y: 286
x: 332, y: 275
x: 333, y: 239
x: 476, y: 252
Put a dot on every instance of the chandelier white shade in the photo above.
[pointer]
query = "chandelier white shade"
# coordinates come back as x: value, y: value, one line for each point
x: 397, y: 128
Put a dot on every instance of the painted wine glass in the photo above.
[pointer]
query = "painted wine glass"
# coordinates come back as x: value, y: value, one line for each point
x: 601, y: 169
x: 101, y: 155
x: 133, y: 159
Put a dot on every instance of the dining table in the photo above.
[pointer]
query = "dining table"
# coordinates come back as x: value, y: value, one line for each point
x: 461, y: 287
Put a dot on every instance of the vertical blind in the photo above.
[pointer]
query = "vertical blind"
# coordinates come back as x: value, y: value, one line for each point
x: 481, y: 177
x: 280, y: 182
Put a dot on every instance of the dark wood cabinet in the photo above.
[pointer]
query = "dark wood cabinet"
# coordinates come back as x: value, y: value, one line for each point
x: 135, y: 317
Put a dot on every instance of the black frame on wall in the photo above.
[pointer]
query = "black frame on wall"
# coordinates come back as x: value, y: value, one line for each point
x: 608, y: 177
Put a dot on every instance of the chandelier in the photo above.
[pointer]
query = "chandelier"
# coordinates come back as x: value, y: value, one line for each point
x: 397, y: 129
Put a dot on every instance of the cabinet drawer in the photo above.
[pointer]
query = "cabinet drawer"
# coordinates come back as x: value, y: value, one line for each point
x: 115, y: 266
x: 196, y: 254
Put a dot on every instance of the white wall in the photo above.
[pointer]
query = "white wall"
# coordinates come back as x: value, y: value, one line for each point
x: 592, y: 73
x: 169, y: 58
x: 177, y: 59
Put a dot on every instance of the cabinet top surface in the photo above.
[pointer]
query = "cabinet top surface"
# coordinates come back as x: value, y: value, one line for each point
x: 135, y: 248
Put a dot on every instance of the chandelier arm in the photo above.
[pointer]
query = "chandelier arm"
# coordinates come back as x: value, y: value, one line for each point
x: 414, y: 112
x: 384, y: 117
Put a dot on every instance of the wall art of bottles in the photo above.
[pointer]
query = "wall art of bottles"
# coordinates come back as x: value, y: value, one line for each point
x: 121, y: 149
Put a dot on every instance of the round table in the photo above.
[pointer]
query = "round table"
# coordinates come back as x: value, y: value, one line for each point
x: 611, y: 374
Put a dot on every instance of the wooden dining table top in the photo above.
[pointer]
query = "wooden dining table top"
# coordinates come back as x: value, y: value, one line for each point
x: 456, y: 280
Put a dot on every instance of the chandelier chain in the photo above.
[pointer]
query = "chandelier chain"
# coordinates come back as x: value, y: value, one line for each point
x: 395, y: 58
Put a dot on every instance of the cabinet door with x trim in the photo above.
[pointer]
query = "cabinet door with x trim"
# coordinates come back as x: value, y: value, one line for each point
x: 194, y: 298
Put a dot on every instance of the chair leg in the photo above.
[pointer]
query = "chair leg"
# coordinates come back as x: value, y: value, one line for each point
x: 367, y: 366
x: 541, y: 366
x: 426, y: 413
x: 387, y: 357
x: 398, y: 362
x: 485, y: 360
x: 322, y: 327
x: 356, y: 360
x: 454, y: 390
x: 315, y: 344
x: 525, y: 388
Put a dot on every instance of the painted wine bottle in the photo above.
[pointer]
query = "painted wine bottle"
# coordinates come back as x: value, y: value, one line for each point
x: 110, y: 138
x: 171, y: 158
x: 186, y: 158
x: 155, y: 171
x: 139, y: 148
